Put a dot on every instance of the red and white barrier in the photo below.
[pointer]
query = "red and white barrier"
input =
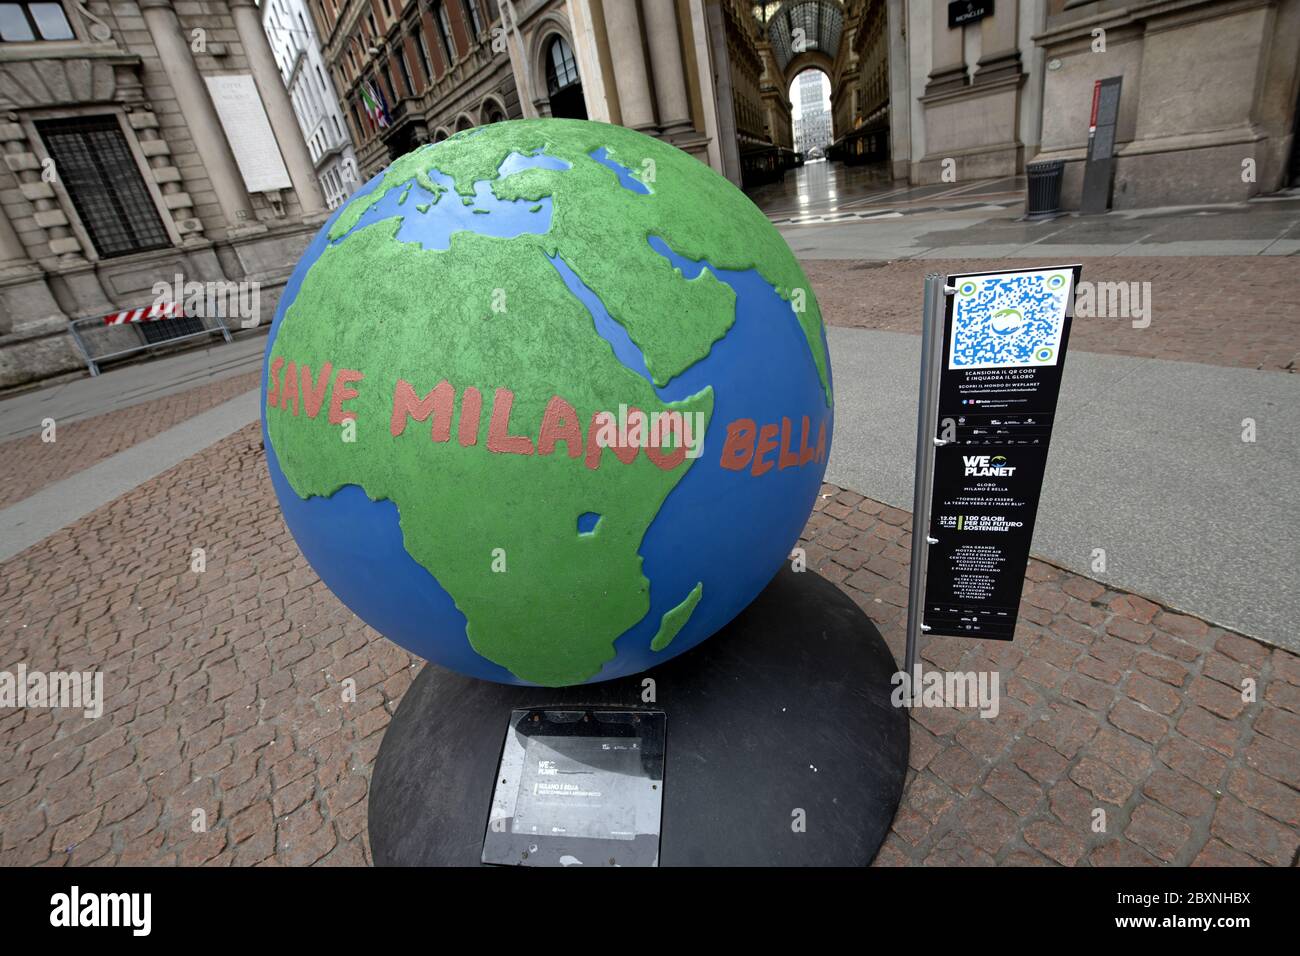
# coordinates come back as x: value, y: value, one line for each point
x: 152, y: 313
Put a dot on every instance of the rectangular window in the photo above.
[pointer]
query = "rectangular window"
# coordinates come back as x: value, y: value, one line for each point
x: 386, y: 74
x: 472, y: 17
x: 96, y: 166
x: 406, y: 71
x: 444, y: 30
x: 422, y: 47
x: 27, y: 22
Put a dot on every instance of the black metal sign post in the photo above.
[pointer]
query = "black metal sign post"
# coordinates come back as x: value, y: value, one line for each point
x: 926, y: 437
x: 1099, y: 167
x: 992, y: 352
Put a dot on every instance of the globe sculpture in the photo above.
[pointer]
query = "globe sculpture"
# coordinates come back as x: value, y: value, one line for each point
x: 547, y: 402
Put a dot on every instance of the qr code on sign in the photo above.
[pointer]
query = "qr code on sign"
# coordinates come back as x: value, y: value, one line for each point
x: 1014, y: 318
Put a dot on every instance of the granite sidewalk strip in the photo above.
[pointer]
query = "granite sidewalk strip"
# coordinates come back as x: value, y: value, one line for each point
x: 224, y: 694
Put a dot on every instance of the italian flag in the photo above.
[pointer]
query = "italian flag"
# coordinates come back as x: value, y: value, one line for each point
x: 372, y: 107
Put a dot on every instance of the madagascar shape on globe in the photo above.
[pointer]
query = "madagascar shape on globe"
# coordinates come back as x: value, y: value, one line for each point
x: 547, y: 402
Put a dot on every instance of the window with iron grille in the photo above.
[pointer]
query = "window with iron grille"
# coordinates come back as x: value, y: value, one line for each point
x: 27, y: 22
x: 96, y: 166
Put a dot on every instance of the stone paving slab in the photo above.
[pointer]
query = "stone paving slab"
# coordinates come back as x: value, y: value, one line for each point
x: 225, y: 694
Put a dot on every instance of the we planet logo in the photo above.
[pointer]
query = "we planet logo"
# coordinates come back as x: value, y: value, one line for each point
x: 988, y: 466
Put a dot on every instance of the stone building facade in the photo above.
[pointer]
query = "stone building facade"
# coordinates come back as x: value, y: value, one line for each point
x: 119, y: 173
x: 1207, y: 113
x: 1207, y: 109
x: 689, y: 71
x: 291, y: 30
x: 431, y: 66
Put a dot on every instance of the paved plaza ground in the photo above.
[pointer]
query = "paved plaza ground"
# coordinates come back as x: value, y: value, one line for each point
x: 1121, y: 693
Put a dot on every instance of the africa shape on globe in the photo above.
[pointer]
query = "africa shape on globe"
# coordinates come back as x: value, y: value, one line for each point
x: 547, y: 402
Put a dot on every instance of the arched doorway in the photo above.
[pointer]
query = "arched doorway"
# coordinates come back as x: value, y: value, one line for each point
x: 810, y: 113
x: 805, y: 35
x: 563, y: 85
x: 463, y: 123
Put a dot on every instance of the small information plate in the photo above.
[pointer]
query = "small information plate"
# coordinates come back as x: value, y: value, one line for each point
x: 1004, y: 341
x: 578, y: 787
x: 962, y: 12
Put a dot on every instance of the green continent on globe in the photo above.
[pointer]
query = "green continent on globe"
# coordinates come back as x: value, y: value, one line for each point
x: 675, y: 619
x: 601, y: 230
x: 500, y: 531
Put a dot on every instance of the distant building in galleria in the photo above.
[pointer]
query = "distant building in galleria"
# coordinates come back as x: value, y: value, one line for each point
x: 929, y: 89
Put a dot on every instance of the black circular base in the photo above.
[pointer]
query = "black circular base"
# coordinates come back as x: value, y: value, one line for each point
x: 786, y: 709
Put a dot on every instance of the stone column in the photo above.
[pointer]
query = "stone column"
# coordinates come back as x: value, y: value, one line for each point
x: 192, y: 96
x: 900, y: 91
x: 948, y: 55
x: 666, y: 66
x: 634, y: 99
x: 999, y: 54
x: 279, y: 109
x: 725, y: 94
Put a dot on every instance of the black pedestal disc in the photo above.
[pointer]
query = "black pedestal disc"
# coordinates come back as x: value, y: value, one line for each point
x: 782, y: 716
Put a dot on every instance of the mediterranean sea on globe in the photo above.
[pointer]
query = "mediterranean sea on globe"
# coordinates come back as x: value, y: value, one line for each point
x: 547, y: 402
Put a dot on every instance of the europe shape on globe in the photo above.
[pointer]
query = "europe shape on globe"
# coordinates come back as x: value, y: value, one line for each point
x: 547, y: 402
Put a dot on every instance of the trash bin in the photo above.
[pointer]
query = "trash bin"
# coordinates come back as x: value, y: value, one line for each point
x: 1044, y: 188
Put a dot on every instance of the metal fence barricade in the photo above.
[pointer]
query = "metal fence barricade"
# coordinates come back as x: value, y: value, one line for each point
x: 100, y: 338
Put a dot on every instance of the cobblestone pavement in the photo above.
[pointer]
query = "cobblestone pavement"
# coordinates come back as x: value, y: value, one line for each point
x: 1109, y: 702
x: 29, y: 464
x: 223, y: 688
x: 224, y: 694
x: 1245, y: 316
